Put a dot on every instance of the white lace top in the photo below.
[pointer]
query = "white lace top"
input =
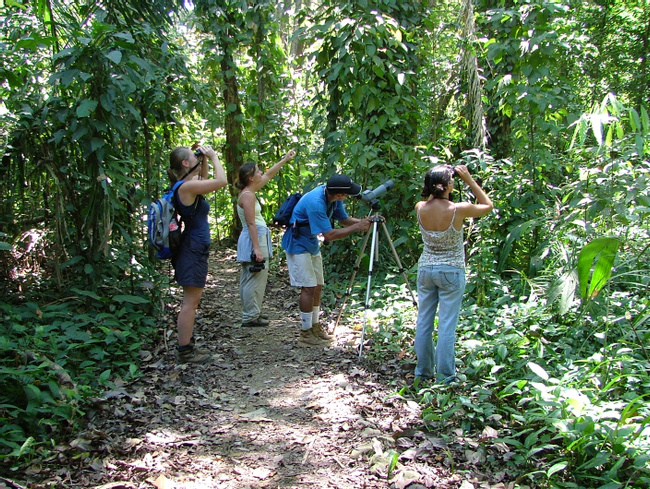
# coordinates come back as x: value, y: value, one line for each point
x: 442, y: 247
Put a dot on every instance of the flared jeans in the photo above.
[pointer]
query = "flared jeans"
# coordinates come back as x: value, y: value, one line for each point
x: 440, y: 289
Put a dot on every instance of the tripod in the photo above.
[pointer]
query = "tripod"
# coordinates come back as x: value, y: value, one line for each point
x: 376, y: 219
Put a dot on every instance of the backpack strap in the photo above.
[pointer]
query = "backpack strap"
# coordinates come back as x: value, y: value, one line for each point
x: 175, y: 190
x: 195, y: 205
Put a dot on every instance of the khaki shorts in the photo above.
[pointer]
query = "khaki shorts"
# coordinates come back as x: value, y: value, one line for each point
x: 305, y: 269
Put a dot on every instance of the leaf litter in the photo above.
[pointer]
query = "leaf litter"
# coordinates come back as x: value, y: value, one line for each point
x: 264, y: 414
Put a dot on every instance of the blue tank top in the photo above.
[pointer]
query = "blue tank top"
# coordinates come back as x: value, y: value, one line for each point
x: 195, y: 218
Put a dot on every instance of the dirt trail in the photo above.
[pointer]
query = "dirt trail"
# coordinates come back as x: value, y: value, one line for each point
x: 265, y: 413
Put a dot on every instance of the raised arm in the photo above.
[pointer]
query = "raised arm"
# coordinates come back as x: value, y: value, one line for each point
x: 190, y: 189
x: 273, y: 171
x: 483, y: 205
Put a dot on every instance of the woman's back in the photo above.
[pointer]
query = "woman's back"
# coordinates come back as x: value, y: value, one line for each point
x: 443, y: 242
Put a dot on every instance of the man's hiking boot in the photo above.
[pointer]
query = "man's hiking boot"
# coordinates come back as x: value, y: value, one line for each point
x: 191, y: 354
x: 320, y: 333
x: 309, y: 339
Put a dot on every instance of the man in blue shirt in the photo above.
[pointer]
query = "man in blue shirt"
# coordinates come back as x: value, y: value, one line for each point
x: 311, y: 217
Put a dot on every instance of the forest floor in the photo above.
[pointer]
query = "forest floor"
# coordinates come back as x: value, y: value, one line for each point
x: 263, y: 414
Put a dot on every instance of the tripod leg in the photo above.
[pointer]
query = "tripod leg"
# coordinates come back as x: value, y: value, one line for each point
x: 399, y: 263
x: 370, y: 266
x: 354, y: 274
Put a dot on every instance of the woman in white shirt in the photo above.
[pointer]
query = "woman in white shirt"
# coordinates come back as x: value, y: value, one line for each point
x: 255, y: 238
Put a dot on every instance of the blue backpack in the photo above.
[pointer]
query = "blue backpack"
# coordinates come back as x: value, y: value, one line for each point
x: 283, y: 216
x: 163, y: 226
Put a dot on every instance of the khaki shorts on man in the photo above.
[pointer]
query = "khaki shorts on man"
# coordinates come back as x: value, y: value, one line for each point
x: 305, y: 269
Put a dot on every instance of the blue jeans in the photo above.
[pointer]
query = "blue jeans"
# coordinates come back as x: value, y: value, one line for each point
x: 440, y: 288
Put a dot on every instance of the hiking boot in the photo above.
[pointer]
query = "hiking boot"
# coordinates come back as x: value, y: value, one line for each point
x: 255, y: 323
x: 320, y: 333
x: 191, y: 354
x: 309, y: 339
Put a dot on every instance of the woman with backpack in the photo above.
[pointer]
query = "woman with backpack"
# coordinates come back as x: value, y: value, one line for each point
x: 441, y: 268
x: 254, y: 244
x: 191, y: 260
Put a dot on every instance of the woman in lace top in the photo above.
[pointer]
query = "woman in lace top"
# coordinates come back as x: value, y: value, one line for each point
x: 441, y: 269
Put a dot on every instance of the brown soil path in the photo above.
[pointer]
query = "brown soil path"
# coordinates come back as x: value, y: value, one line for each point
x: 265, y: 413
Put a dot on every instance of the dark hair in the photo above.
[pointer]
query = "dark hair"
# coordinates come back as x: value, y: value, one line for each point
x: 176, y: 162
x: 246, y: 172
x: 437, y: 180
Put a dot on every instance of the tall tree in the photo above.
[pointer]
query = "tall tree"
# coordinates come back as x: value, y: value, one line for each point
x: 366, y: 62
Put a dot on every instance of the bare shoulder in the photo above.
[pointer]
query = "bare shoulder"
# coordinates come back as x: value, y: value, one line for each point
x: 246, y: 197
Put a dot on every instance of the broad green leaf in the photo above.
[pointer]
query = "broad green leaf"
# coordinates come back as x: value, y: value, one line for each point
x: 79, y: 133
x: 393, y: 457
x: 71, y: 261
x: 563, y: 291
x: 612, y: 485
x: 642, y: 460
x: 556, y: 468
x: 645, y: 120
x: 104, y: 376
x: 115, y: 56
x: 142, y: 63
x: 132, y: 299
x: 599, y: 459
x: 609, y: 137
x: 57, y: 137
x: 635, y: 121
x: 25, y: 446
x: 96, y: 143
x: 125, y: 35
x: 87, y: 293
x: 597, y: 128
x: 86, y: 107
x: 639, y: 143
x: 538, y: 370
x: 600, y: 255
x: 68, y: 76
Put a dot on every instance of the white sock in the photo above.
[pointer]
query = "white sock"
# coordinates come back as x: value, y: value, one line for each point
x: 314, y: 315
x: 305, y: 320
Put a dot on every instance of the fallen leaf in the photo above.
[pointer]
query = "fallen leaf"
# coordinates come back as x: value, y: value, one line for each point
x: 163, y: 482
x: 488, y: 434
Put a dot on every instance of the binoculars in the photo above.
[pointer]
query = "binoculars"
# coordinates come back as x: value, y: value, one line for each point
x: 257, y: 265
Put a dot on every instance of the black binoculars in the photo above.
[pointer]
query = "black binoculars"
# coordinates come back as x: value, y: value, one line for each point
x: 257, y: 266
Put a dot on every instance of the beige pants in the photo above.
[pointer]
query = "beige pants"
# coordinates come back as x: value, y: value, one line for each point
x: 252, y: 286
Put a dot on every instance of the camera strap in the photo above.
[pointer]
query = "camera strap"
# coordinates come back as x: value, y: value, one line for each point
x: 191, y: 169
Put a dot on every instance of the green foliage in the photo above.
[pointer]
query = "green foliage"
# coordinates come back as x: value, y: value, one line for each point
x: 602, y: 251
x: 92, y: 99
x: 548, y: 400
x: 52, y: 355
x: 555, y: 389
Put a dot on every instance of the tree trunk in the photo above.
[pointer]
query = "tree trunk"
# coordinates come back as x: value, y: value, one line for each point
x: 233, y: 128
